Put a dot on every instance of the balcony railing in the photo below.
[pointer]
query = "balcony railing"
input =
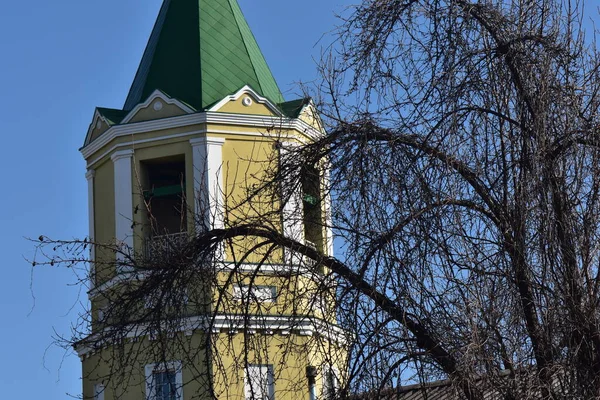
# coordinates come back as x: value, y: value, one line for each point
x: 165, y: 246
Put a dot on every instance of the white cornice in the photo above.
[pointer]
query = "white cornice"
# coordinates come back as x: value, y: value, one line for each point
x: 232, y: 324
x: 207, y: 140
x: 269, y: 124
x: 223, y: 266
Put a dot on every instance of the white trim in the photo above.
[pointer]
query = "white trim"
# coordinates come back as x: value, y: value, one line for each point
x: 258, y: 121
x: 207, y: 160
x: 327, y: 371
x: 252, y: 293
x: 90, y: 174
x: 169, y: 366
x: 123, y: 204
x: 157, y: 94
x: 327, y: 210
x: 99, y: 390
x: 222, y: 266
x: 186, y: 134
x: 247, y: 90
x: 266, y: 324
x: 254, y: 371
x: 95, y: 118
x: 293, y: 209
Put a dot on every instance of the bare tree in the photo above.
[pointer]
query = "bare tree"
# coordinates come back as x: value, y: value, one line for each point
x: 463, y: 165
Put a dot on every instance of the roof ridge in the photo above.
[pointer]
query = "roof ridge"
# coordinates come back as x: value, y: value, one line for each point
x: 147, y: 56
x: 244, y: 42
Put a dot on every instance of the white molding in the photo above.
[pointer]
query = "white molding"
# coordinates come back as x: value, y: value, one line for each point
x: 91, y: 163
x: 169, y: 366
x: 90, y: 174
x: 293, y: 209
x: 157, y: 94
x: 327, y: 369
x: 123, y: 203
x: 223, y: 323
x: 252, y: 371
x: 247, y: 90
x: 99, y: 390
x: 95, y: 118
x: 271, y: 269
x: 257, y: 121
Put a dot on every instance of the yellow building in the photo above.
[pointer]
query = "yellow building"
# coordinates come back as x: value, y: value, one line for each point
x: 203, y: 123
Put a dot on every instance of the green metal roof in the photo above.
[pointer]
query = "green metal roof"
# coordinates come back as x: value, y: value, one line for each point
x: 112, y: 115
x: 199, y: 52
x: 293, y: 108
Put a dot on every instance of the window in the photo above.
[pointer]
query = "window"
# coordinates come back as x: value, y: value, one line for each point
x: 255, y: 293
x: 311, y: 197
x: 164, y: 381
x: 331, y: 383
x: 98, y: 391
x: 259, y: 383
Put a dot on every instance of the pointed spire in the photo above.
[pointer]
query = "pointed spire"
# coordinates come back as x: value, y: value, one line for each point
x: 199, y: 52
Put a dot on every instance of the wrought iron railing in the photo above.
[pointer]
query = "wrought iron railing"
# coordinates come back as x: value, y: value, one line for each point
x: 165, y: 246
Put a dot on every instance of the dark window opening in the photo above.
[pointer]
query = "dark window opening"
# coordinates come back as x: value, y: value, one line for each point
x: 311, y: 197
x: 164, y: 195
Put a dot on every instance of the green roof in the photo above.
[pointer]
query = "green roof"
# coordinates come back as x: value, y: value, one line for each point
x: 113, y: 116
x: 199, y: 52
x: 293, y: 108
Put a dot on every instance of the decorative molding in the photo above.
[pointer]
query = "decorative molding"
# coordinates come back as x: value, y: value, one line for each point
x: 118, y: 155
x: 157, y: 94
x: 270, y: 124
x: 247, y: 90
x: 224, y: 323
x: 183, y: 135
x: 271, y: 269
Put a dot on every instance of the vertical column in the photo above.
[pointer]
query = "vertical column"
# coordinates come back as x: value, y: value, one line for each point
x: 208, y: 182
x: 293, y: 208
x: 123, y: 206
x: 91, y: 222
x: 327, y: 209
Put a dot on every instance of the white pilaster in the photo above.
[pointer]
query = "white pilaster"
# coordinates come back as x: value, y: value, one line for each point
x: 92, y: 236
x: 207, y: 162
x: 123, y: 204
x: 293, y: 209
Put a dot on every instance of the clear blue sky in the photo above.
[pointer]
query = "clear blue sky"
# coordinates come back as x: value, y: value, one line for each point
x: 59, y: 60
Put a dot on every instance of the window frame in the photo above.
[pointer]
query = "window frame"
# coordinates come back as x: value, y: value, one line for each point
x: 270, y: 381
x: 169, y: 366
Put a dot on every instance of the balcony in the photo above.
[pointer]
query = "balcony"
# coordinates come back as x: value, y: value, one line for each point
x: 165, y: 246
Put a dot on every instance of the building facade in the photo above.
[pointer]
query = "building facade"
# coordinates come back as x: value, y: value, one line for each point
x: 202, y: 127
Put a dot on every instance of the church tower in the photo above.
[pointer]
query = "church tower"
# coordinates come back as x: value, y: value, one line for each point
x: 203, y: 123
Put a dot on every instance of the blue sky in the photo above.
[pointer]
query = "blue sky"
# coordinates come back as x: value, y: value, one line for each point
x: 59, y: 60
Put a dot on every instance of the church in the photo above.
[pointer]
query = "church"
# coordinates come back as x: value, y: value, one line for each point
x: 202, y: 125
